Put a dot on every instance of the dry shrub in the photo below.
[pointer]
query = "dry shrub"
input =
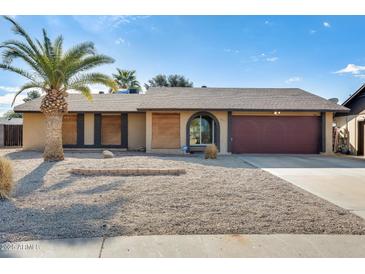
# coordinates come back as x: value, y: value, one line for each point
x: 6, y: 178
x: 211, y: 152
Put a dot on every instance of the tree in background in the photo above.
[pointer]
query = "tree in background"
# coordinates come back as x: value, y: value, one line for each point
x: 173, y: 80
x: 126, y: 79
x: 179, y: 81
x: 33, y: 94
x: 55, y: 72
x: 10, y: 114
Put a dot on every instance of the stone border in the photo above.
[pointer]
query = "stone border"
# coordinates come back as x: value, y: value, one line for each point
x: 127, y: 172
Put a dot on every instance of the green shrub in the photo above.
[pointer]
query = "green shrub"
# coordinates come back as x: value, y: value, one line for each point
x: 6, y: 178
x: 211, y: 152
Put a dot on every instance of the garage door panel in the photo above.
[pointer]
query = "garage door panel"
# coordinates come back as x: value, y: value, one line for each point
x: 271, y: 134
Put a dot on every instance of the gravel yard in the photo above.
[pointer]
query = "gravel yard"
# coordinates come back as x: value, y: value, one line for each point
x: 214, y: 197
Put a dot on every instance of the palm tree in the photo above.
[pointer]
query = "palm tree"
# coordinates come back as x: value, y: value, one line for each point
x: 55, y: 72
x: 126, y: 79
x: 173, y: 80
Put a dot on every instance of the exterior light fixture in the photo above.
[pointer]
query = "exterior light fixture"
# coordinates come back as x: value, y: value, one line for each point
x: 276, y: 112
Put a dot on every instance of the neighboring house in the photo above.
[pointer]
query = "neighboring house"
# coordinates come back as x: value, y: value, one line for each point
x: 354, y: 121
x: 10, y: 136
x: 237, y: 120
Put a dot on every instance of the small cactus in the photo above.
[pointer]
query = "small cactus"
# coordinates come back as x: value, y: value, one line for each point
x: 211, y: 152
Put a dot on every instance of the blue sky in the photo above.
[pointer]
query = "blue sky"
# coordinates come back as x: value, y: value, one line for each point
x: 322, y: 54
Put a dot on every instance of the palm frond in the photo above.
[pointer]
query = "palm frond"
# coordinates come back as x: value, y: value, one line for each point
x: 17, y: 29
x: 50, y: 65
x: 78, y: 51
x: 92, y: 78
x: 57, y: 45
x: 86, y: 64
x: 85, y: 90
x: 25, y: 87
x: 20, y: 46
x: 10, y: 53
x: 126, y: 79
x: 18, y: 71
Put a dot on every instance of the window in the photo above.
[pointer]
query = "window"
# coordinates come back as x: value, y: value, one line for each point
x: 202, y: 130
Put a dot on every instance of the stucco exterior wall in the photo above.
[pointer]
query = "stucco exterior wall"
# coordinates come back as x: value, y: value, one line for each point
x: 350, y: 122
x: 34, y: 131
x: 328, y: 129
x: 89, y: 128
x: 140, y: 129
x: 222, y: 117
x: 136, y: 130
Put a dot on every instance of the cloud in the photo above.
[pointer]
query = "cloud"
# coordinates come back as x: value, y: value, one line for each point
x: 232, y: 50
x: 262, y: 57
x: 351, y: 68
x: 361, y: 76
x: 272, y: 59
x: 120, y: 41
x: 312, y: 31
x: 326, y: 24
x: 9, y: 89
x: 294, y: 79
x: 105, y: 22
x: 7, y: 99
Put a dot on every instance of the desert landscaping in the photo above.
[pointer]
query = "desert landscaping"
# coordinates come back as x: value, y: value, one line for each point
x: 220, y: 196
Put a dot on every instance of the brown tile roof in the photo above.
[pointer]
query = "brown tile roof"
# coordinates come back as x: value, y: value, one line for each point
x: 249, y: 99
x: 100, y: 103
x: 237, y: 99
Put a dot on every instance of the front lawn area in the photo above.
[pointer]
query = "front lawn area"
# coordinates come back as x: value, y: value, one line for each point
x: 214, y: 197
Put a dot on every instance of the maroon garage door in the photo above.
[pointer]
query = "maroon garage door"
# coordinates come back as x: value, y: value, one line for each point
x: 273, y: 134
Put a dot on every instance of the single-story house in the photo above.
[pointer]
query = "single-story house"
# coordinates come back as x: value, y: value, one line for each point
x: 237, y: 120
x: 10, y: 135
x: 353, y: 121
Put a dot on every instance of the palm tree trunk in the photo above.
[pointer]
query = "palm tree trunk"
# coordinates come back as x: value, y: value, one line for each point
x: 53, y: 150
x: 54, y: 106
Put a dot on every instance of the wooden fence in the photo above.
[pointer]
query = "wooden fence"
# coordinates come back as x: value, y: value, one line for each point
x: 13, y: 135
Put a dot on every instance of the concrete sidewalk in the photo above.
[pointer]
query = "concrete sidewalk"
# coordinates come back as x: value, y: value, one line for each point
x: 188, y: 246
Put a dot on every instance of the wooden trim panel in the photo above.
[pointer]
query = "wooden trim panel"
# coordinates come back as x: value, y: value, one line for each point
x: 69, y: 129
x: 111, y: 130
x: 165, y: 130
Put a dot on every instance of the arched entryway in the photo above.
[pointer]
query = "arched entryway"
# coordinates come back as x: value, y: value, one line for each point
x: 202, y: 129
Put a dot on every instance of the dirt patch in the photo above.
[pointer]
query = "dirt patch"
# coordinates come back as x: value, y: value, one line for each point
x: 214, y: 197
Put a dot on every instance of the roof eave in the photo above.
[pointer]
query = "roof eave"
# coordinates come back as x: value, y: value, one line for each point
x: 238, y: 109
x: 348, y: 100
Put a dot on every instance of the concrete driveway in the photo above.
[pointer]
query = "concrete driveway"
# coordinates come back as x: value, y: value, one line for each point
x: 336, y: 179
